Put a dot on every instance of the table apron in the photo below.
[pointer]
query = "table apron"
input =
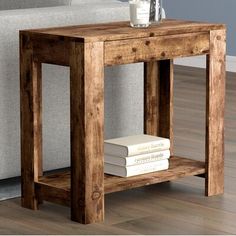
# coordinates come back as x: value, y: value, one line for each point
x: 156, y: 48
x: 54, y: 51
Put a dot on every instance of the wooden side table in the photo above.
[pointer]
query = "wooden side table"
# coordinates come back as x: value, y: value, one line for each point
x: 86, y: 50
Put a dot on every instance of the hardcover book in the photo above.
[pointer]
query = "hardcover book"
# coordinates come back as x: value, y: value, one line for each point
x: 135, y: 145
x: 138, y: 159
x: 127, y: 171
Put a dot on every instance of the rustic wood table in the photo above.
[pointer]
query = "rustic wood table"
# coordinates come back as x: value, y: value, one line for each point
x: 86, y: 49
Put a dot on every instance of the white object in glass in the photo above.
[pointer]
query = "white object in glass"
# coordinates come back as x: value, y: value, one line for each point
x: 139, y: 13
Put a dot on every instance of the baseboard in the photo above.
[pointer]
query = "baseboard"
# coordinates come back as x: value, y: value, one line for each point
x: 200, y: 62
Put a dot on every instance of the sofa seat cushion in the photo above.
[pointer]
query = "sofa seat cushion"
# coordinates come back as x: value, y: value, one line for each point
x: 75, y: 2
x: 120, y: 84
x: 24, y: 4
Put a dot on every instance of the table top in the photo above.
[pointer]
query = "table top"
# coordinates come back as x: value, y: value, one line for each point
x: 123, y: 30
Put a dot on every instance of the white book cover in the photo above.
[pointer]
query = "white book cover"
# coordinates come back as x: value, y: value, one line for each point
x: 138, y: 159
x: 135, y: 145
x: 129, y: 171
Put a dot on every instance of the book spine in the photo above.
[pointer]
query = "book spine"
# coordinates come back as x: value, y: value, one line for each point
x: 143, y: 169
x: 145, y: 158
x: 148, y: 147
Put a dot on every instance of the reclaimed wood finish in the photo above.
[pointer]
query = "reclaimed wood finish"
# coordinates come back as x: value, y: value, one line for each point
x: 215, y: 101
x: 151, y: 98
x: 54, y: 194
x: 158, y: 99
x: 156, y: 48
x: 122, y: 30
x: 31, y: 123
x: 87, y: 132
x: 117, y: 35
x: 166, y: 108
x: 51, y: 50
x: 179, y: 168
x: 86, y: 50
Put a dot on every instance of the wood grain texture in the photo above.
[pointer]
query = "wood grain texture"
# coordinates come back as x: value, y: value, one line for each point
x: 156, y: 48
x: 52, y: 45
x: 87, y: 132
x: 215, y: 101
x: 151, y: 98
x: 179, y: 168
x: 166, y: 107
x: 122, y: 30
x: 158, y: 99
x: 50, y: 50
x: 31, y: 123
x: 53, y: 194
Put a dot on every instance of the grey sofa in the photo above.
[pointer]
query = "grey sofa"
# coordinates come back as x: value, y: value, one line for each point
x: 123, y: 85
x: 24, y: 4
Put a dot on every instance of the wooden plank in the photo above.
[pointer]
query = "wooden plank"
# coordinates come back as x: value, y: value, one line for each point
x: 215, y: 101
x: 151, y: 98
x: 166, y: 107
x: 179, y: 168
x: 50, y: 50
x: 122, y: 30
x: 158, y: 99
x: 55, y: 49
x: 87, y: 132
x: 156, y: 48
x: 31, y: 122
x: 53, y: 194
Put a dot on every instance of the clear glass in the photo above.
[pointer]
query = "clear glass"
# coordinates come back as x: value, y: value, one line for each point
x: 139, y: 13
x: 156, y: 11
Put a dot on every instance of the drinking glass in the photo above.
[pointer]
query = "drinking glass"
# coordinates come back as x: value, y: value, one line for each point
x: 156, y: 11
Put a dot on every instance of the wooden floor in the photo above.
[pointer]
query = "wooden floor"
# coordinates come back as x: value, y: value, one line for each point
x: 178, y: 207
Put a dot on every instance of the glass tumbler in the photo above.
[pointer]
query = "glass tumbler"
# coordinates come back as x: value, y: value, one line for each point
x: 139, y: 13
x: 156, y: 11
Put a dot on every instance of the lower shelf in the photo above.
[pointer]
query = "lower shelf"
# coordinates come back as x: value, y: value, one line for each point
x: 56, y: 187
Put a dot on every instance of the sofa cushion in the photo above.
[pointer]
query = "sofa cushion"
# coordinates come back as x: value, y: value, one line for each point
x: 123, y: 107
x: 24, y: 4
x: 75, y: 2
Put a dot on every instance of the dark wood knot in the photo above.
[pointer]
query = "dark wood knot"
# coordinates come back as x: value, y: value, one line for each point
x: 218, y: 37
x: 96, y: 195
x: 119, y: 57
x: 147, y: 43
x: 151, y: 34
x: 163, y: 54
x: 134, y: 49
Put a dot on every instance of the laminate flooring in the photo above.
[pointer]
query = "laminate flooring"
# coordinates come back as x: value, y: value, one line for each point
x: 178, y: 207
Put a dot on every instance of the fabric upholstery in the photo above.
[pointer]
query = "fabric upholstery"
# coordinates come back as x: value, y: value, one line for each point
x: 123, y: 86
x: 23, y: 4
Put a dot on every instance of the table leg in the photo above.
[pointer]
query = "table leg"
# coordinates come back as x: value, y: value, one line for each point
x: 158, y: 99
x: 31, y: 123
x: 215, y: 101
x: 87, y: 132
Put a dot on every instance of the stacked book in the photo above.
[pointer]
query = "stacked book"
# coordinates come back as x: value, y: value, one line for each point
x: 136, y: 155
